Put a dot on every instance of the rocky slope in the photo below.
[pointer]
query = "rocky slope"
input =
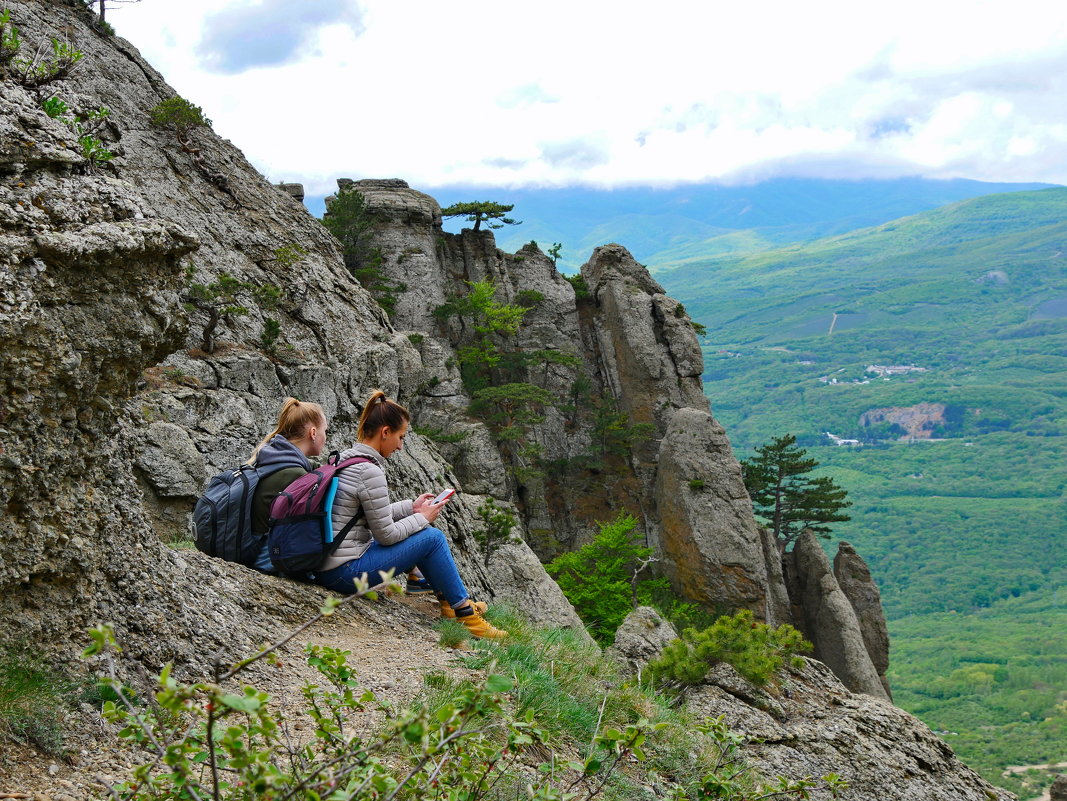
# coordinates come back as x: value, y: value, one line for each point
x: 807, y: 723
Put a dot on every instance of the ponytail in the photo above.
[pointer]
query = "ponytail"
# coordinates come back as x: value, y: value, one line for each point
x: 378, y: 413
x: 295, y: 418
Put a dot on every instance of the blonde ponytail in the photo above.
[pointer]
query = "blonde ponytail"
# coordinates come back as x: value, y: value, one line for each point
x: 294, y: 419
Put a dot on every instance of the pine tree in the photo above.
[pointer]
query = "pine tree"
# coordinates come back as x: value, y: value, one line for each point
x: 479, y: 211
x: 785, y: 497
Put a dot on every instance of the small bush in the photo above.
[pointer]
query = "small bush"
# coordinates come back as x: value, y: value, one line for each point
x: 755, y: 650
x: 438, y: 434
x: 602, y: 579
x: 268, y: 339
x: 496, y: 529
x: 179, y: 115
x: 288, y: 256
x: 10, y: 42
x: 697, y: 484
x: 581, y: 288
x: 43, y: 68
x: 530, y: 298
x: 55, y: 107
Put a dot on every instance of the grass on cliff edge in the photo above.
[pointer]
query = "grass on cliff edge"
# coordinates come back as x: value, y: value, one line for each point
x: 32, y: 701
x: 573, y: 691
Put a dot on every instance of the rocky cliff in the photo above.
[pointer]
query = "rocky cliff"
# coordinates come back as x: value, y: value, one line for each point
x: 625, y: 347
x: 808, y: 723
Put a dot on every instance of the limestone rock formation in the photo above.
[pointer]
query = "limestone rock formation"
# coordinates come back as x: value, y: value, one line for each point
x: 640, y: 638
x: 823, y: 613
x: 707, y: 536
x: 632, y: 348
x: 1058, y: 790
x: 854, y: 578
x: 812, y: 725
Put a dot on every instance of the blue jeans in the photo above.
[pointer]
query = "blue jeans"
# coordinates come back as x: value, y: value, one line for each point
x: 427, y: 548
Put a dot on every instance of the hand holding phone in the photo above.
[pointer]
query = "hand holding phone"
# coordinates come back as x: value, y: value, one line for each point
x: 444, y: 496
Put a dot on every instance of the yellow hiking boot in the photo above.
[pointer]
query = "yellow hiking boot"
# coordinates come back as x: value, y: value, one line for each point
x: 477, y: 625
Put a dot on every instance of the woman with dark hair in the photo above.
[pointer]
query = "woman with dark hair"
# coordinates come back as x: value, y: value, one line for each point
x: 282, y: 457
x: 393, y: 536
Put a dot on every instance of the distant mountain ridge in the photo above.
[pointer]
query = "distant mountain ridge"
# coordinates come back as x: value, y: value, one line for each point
x: 673, y: 225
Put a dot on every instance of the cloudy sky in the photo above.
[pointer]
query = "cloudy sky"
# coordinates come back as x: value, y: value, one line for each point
x: 603, y: 94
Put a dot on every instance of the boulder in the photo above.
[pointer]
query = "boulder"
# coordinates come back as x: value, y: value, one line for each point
x: 640, y: 638
x: 826, y: 617
x: 707, y: 538
x: 1058, y: 790
x: 854, y: 578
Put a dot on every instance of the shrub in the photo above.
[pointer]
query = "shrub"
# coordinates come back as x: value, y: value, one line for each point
x: 42, y: 68
x: 755, y: 650
x: 581, y: 288
x: 496, y: 528
x: 268, y: 339
x: 288, y: 256
x: 602, y: 579
x: 32, y: 699
x: 221, y: 301
x: 696, y: 484
x: 179, y: 115
x: 10, y: 42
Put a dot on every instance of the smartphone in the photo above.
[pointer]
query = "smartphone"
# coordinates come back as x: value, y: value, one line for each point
x: 444, y: 496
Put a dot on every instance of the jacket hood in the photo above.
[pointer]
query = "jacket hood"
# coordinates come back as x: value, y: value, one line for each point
x: 280, y: 451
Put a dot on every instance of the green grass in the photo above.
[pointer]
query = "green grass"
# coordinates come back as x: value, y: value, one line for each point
x: 572, y: 692
x: 993, y: 683
x: 32, y: 701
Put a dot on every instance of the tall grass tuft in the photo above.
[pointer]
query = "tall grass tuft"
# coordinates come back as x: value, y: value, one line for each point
x: 32, y: 699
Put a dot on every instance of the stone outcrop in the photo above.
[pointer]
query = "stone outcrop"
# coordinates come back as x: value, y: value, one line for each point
x: 707, y: 537
x: 823, y: 613
x: 812, y: 725
x: 640, y: 638
x: 854, y: 578
x: 1058, y: 790
x: 647, y: 351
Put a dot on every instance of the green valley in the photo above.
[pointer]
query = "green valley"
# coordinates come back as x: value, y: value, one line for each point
x: 938, y: 344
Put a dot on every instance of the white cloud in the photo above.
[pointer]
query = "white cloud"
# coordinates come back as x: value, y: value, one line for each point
x: 620, y: 93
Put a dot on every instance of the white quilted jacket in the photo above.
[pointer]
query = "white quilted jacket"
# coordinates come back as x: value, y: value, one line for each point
x: 363, y: 491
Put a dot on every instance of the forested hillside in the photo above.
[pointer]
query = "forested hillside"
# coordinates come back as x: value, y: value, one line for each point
x: 939, y: 342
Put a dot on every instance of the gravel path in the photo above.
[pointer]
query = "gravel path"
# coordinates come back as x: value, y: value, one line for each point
x: 392, y: 644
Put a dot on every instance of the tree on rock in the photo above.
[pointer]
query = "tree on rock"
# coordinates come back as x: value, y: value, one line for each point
x: 785, y: 497
x: 494, y: 215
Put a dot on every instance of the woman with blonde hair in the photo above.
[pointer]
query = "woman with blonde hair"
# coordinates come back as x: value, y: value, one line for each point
x: 281, y: 458
x: 393, y: 536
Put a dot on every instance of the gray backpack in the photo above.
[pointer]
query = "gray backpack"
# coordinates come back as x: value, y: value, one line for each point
x: 222, y: 517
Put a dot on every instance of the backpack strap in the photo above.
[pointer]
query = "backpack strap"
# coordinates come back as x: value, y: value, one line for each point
x: 352, y: 520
